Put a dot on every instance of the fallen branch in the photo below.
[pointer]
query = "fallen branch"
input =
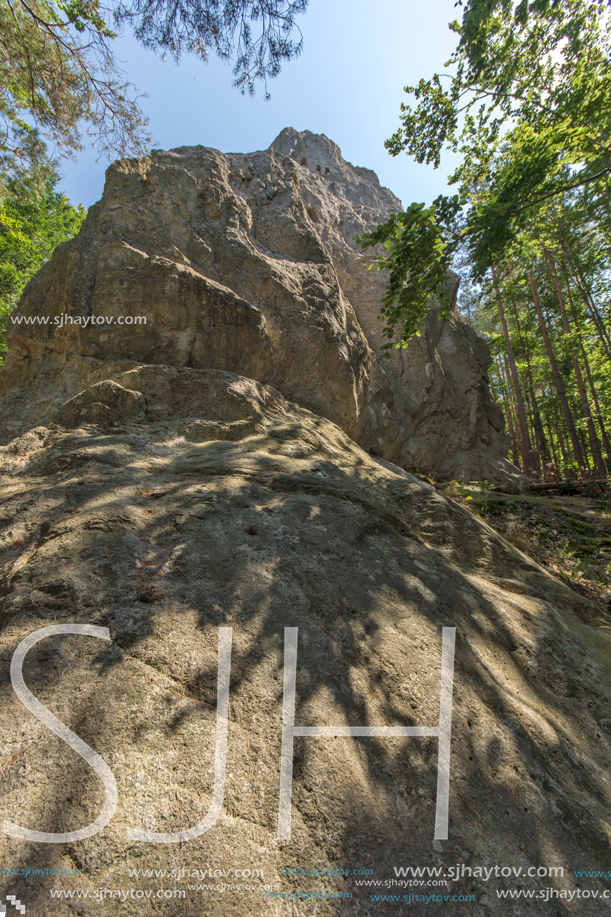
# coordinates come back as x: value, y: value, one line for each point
x: 570, y: 486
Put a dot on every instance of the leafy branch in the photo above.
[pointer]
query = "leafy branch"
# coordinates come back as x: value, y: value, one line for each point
x: 528, y: 108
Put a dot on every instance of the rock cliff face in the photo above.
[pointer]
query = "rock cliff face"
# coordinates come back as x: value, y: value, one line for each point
x: 246, y: 263
x: 448, y: 424
x: 223, y: 564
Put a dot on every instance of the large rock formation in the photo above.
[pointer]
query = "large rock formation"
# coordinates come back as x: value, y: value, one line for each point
x: 247, y: 263
x: 448, y: 424
x: 214, y: 503
x: 168, y: 504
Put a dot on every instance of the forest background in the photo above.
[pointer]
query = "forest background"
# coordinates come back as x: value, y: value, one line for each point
x: 520, y: 115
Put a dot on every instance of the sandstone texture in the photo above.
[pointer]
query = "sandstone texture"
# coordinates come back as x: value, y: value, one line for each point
x: 187, y: 501
x: 238, y: 463
x: 247, y: 263
x: 448, y: 424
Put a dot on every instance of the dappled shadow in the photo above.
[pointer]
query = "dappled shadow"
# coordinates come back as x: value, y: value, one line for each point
x: 169, y: 543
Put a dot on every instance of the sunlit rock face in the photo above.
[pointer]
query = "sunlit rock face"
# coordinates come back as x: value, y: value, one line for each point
x: 227, y: 474
x: 247, y: 263
x: 178, y: 507
x: 448, y: 424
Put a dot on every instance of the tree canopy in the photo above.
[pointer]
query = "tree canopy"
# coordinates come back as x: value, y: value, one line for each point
x: 527, y: 106
x: 33, y: 222
x: 58, y: 72
x: 255, y: 33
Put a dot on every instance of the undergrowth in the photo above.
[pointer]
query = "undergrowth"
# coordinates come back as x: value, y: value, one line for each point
x: 568, y: 535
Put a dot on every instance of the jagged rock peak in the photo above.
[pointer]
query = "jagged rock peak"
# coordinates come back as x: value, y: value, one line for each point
x: 320, y: 154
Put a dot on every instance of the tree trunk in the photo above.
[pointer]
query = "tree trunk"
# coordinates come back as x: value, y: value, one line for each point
x: 585, y: 404
x: 539, y: 431
x: 563, y: 448
x: 588, y: 300
x: 522, y: 424
x: 551, y: 424
x: 509, y: 408
x: 586, y: 366
x: 599, y: 416
x: 582, y: 438
x: 556, y: 374
x: 553, y: 447
x: 540, y: 453
x: 557, y: 423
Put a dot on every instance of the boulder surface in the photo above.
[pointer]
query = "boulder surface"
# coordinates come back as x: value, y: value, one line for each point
x: 208, y: 550
x: 208, y: 504
x: 247, y: 263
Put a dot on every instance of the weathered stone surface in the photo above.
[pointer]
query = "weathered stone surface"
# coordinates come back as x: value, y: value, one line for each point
x: 448, y: 424
x: 247, y: 263
x: 104, y: 403
x: 227, y: 273
x: 164, y: 535
x: 147, y: 489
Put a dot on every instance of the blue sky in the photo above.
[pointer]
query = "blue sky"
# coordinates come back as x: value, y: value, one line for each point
x: 347, y: 84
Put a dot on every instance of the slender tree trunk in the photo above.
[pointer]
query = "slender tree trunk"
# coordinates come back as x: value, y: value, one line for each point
x: 531, y: 411
x: 522, y: 424
x: 540, y: 453
x: 509, y: 408
x: 538, y: 427
x: 584, y: 446
x: 558, y: 422
x: 553, y: 447
x: 556, y: 374
x: 599, y: 416
x: 588, y: 300
x: 586, y: 366
x: 563, y: 448
x: 551, y: 422
x: 512, y: 396
x: 582, y: 439
x: 585, y: 404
